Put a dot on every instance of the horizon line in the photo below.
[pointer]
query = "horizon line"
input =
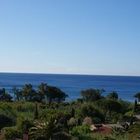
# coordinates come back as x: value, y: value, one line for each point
x: 82, y: 74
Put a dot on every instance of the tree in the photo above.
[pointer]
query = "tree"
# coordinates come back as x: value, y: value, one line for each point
x: 137, y: 95
x: 4, y: 96
x: 42, y: 91
x: 18, y: 94
x: 55, y: 94
x: 113, y: 95
x: 92, y: 94
x: 29, y: 93
x: 112, y: 106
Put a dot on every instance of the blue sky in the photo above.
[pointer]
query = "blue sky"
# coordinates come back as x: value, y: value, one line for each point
x: 70, y: 36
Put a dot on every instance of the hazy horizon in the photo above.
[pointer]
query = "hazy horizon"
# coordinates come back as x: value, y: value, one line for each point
x: 82, y: 74
x: 86, y: 37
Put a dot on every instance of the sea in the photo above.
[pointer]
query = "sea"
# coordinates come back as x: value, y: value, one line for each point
x: 125, y: 86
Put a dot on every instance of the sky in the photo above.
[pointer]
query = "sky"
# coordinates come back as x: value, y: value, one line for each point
x: 99, y: 37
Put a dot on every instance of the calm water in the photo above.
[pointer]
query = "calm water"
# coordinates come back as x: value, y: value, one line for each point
x: 73, y: 84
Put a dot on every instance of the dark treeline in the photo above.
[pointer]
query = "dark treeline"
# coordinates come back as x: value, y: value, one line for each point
x: 47, y: 94
x: 43, y: 93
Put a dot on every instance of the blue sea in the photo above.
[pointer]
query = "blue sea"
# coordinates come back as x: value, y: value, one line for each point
x: 126, y: 86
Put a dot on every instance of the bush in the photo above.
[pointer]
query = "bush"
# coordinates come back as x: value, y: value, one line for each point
x: 24, y: 107
x: 11, y: 133
x: 80, y: 130
x: 7, y: 109
x: 82, y: 133
x: 24, y: 124
x: 5, y: 121
x: 134, y: 131
x: 108, y: 138
x: 90, y: 111
x: 72, y: 122
x: 87, y: 121
x: 61, y: 136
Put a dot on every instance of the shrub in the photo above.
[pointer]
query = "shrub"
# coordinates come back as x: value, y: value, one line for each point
x: 61, y: 136
x: 72, y: 122
x: 7, y: 109
x: 5, y: 121
x: 11, y: 133
x: 24, y: 107
x: 92, y: 94
x: 80, y: 130
x: 134, y: 131
x: 90, y: 111
x: 24, y: 124
x: 87, y: 121
x: 108, y: 138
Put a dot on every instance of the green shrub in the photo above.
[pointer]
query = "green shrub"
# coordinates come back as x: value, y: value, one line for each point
x: 134, y: 131
x: 72, y: 122
x: 11, y: 133
x: 5, y: 121
x: 24, y: 106
x: 90, y: 111
x: 61, y: 136
x: 80, y: 130
x: 7, y: 109
x: 24, y: 124
x: 108, y: 138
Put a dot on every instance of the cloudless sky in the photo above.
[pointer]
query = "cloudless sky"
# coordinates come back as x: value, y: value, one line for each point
x: 70, y: 36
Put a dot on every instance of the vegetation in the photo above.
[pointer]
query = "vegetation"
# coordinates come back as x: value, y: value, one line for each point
x: 43, y: 114
x: 113, y: 95
x: 137, y: 96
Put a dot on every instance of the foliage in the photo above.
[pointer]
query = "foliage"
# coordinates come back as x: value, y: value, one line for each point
x: 92, y: 94
x: 113, y: 95
x: 134, y: 131
x: 126, y: 106
x: 55, y: 119
x: 11, y: 133
x: 62, y: 136
x: 24, y: 106
x: 5, y: 121
x: 43, y: 130
x: 42, y: 91
x: 118, y: 131
x: 110, y: 108
x: 88, y: 110
x: 55, y: 94
x: 112, y: 105
x: 137, y: 95
x: 72, y: 122
x: 24, y: 124
x: 17, y: 93
x: 7, y: 115
x: 4, y: 96
x: 80, y: 130
x: 29, y: 93
x: 87, y: 121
